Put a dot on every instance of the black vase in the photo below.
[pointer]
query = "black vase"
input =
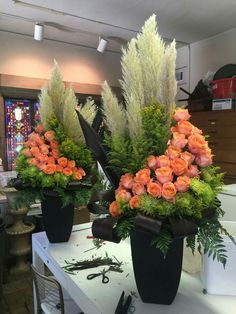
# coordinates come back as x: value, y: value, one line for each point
x: 157, y: 278
x: 57, y: 220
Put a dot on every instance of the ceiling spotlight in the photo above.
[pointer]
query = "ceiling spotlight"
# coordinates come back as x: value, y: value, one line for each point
x: 38, y: 31
x: 102, y: 45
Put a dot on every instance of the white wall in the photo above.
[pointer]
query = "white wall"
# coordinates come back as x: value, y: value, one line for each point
x: 211, y: 54
x: 182, y: 63
x: 21, y: 55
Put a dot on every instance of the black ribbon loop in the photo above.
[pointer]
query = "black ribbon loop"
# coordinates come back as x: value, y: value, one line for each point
x: 147, y: 224
x: 104, y: 228
x: 182, y: 227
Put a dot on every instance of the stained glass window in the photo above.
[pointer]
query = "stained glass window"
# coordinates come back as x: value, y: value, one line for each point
x: 20, y: 116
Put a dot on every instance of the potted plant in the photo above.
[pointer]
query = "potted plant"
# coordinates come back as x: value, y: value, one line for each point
x: 54, y: 163
x: 167, y: 187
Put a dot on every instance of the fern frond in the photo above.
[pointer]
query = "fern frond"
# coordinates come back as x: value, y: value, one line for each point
x: 124, y: 227
x: 191, y: 242
x: 163, y: 241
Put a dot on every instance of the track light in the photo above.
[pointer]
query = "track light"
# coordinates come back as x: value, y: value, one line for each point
x: 38, y: 31
x: 102, y: 45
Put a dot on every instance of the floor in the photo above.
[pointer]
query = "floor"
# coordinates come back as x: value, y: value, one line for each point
x: 17, y: 290
x: 17, y: 295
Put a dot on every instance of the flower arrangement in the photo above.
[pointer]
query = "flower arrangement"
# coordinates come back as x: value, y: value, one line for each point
x: 55, y: 155
x: 164, y: 162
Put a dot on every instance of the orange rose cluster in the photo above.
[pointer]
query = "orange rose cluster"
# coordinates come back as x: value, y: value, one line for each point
x: 42, y: 151
x: 166, y: 175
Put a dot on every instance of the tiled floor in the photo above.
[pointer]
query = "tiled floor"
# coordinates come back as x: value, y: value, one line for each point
x: 17, y: 295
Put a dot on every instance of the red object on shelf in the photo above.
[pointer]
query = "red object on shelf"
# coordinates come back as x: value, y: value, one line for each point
x: 224, y: 88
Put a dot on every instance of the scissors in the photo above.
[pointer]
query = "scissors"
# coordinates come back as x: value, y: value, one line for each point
x: 105, y: 279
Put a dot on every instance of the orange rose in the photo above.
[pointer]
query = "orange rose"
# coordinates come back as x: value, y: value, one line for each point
x: 27, y: 152
x: 34, y: 150
x: 188, y: 157
x: 81, y: 171
x: 196, y: 130
x: 164, y: 174
x: 173, y: 129
x: 179, y: 166
x: 204, y: 159
x: 49, y: 169
x: 127, y: 181
x: 114, y: 209
x: 39, y: 128
x: 197, y: 144
x: 123, y: 196
x: 42, y: 158
x: 71, y: 164
x: 44, y: 149
x: 154, y: 189
x: 51, y: 160
x: 173, y: 152
x: 181, y: 114
x: 59, y: 168
x: 192, y: 171
x: 182, y: 183
x: 78, y: 173
x: 138, y: 188
x: 55, y: 153
x: 178, y: 140
x: 134, y: 202
x: 33, y: 162
x: 163, y: 161
x: 54, y: 144
x: 152, y: 162
x: 49, y: 136
x: 168, y: 190
x: 143, y: 176
x: 67, y: 171
x: 27, y: 144
x: 185, y: 127
x: 62, y: 161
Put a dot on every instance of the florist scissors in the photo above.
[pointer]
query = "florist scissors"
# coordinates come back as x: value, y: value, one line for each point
x: 105, y: 279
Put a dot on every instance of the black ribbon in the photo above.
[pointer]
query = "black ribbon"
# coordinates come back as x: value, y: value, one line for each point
x: 94, y: 143
x: 147, y: 224
x: 104, y: 228
x: 182, y: 227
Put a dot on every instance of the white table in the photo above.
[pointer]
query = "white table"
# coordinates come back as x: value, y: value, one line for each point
x: 93, y: 297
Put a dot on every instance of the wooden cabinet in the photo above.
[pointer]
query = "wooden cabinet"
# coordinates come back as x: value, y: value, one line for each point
x: 221, y: 128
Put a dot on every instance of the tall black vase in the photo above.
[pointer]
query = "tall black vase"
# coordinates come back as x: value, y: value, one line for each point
x: 157, y: 278
x: 57, y: 220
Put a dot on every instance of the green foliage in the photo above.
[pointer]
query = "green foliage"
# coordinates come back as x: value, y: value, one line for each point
x: 187, y: 205
x: 191, y: 242
x: 212, y: 176
x: 129, y: 155
x: 156, y: 124
x: 124, y: 227
x: 68, y: 148
x: 120, y: 153
x: 79, y: 197
x: 162, y: 241
x: 154, y: 207
x: 212, y: 242
x: 202, y: 190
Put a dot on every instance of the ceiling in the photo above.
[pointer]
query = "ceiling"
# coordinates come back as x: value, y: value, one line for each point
x: 85, y: 20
